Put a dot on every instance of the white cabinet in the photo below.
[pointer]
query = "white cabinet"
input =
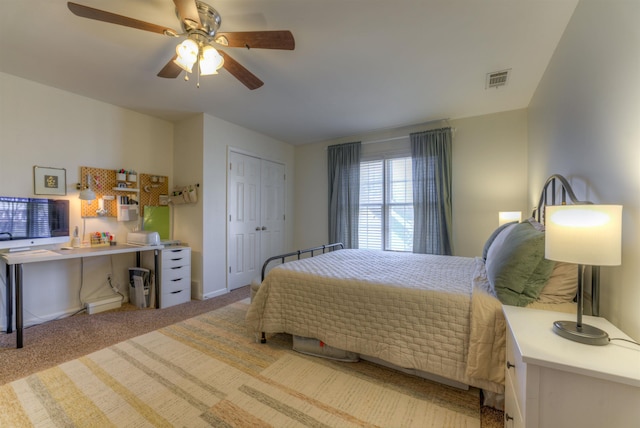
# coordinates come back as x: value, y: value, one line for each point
x: 175, y: 275
x: 555, y: 382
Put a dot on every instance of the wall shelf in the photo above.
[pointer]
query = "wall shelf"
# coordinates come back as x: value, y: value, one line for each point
x: 126, y: 189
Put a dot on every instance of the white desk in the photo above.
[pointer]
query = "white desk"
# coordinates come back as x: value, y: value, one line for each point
x: 15, y: 261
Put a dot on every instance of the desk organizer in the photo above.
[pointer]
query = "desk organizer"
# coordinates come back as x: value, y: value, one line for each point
x: 100, y: 239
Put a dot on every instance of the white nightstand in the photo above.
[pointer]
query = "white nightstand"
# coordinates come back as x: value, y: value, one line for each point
x: 555, y: 382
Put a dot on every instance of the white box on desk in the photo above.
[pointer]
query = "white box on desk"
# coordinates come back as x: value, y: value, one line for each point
x: 143, y: 237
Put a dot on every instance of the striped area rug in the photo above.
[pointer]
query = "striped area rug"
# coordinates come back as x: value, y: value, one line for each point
x: 207, y: 371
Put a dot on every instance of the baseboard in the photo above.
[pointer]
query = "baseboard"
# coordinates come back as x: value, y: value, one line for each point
x: 212, y: 294
x: 103, y: 304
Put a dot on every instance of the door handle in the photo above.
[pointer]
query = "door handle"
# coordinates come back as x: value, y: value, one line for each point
x: 264, y: 227
x: 258, y: 228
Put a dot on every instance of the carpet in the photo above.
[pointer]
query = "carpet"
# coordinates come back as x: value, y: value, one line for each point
x: 207, y: 371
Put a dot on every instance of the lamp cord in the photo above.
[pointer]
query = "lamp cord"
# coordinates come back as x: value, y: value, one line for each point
x: 626, y: 340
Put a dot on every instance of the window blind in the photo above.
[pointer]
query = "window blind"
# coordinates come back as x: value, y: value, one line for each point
x: 386, y: 205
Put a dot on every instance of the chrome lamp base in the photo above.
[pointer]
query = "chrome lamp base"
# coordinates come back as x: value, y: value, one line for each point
x: 582, y: 333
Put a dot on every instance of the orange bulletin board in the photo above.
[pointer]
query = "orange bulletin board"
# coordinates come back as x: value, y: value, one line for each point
x: 104, y: 183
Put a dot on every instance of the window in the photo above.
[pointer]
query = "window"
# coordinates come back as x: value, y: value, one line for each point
x: 386, y: 205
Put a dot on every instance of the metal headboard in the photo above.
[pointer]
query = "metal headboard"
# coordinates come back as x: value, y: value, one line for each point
x: 555, y: 192
x: 562, y: 192
x: 299, y: 253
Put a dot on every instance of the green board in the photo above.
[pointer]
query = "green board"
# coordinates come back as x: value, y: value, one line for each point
x: 157, y: 219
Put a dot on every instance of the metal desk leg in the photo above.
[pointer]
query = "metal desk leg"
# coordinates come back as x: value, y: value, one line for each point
x: 19, y: 321
x: 9, y: 300
x: 156, y: 276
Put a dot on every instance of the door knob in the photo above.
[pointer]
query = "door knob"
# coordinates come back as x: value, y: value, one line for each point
x: 264, y: 227
x: 258, y: 228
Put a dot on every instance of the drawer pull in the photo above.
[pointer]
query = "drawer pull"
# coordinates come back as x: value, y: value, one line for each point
x: 507, y: 417
x: 176, y: 292
x: 509, y: 365
x: 177, y: 279
x: 177, y: 267
x: 175, y: 260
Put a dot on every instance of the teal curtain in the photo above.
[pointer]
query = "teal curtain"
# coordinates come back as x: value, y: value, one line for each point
x: 344, y: 193
x: 431, y: 167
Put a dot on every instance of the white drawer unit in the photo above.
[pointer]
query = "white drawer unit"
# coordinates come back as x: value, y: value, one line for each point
x: 555, y: 382
x: 175, y: 275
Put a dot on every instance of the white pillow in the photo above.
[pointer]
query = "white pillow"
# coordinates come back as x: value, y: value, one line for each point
x: 562, y: 285
x: 497, y: 244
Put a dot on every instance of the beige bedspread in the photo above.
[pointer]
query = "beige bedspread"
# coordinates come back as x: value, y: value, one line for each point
x: 487, y: 336
x: 411, y: 310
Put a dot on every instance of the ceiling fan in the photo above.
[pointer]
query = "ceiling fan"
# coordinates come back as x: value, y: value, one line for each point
x: 200, y: 23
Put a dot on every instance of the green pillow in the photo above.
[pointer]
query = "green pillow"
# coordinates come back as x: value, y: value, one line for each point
x: 517, y: 269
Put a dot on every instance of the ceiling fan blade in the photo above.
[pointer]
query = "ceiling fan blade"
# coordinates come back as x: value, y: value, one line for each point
x: 278, y: 39
x: 188, y: 13
x: 101, y: 15
x: 171, y: 70
x: 247, y: 78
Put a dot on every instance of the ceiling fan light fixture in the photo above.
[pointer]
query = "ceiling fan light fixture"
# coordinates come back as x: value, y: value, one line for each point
x: 210, y: 61
x: 187, y: 54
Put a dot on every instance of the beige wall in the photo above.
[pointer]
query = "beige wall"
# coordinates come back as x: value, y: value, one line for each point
x: 44, y: 126
x: 201, y: 149
x: 584, y: 124
x: 489, y: 175
x: 188, y: 219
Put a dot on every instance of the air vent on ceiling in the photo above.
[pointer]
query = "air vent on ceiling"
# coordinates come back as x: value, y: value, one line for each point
x: 497, y: 78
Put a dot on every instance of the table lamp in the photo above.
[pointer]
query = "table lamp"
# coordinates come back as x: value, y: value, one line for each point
x: 585, y: 235
x: 509, y: 216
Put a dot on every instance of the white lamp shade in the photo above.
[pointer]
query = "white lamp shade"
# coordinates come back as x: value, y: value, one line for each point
x: 87, y: 195
x: 210, y: 61
x: 509, y: 216
x: 584, y: 234
x: 187, y: 54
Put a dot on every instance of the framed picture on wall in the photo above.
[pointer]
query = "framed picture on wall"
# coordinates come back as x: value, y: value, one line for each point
x: 49, y: 181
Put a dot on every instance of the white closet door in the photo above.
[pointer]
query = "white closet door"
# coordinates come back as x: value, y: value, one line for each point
x: 244, y: 219
x: 272, y: 210
x: 256, y: 204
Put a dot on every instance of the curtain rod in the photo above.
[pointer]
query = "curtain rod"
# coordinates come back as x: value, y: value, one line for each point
x: 384, y: 140
x: 401, y: 137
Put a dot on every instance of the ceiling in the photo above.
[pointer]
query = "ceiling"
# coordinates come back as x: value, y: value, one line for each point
x: 358, y: 66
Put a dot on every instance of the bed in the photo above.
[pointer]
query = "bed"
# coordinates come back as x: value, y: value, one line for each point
x: 436, y: 316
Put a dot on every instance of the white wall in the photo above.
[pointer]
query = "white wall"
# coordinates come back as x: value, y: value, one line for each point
x: 489, y: 175
x: 44, y: 126
x: 211, y: 153
x: 584, y: 123
x: 188, y: 219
